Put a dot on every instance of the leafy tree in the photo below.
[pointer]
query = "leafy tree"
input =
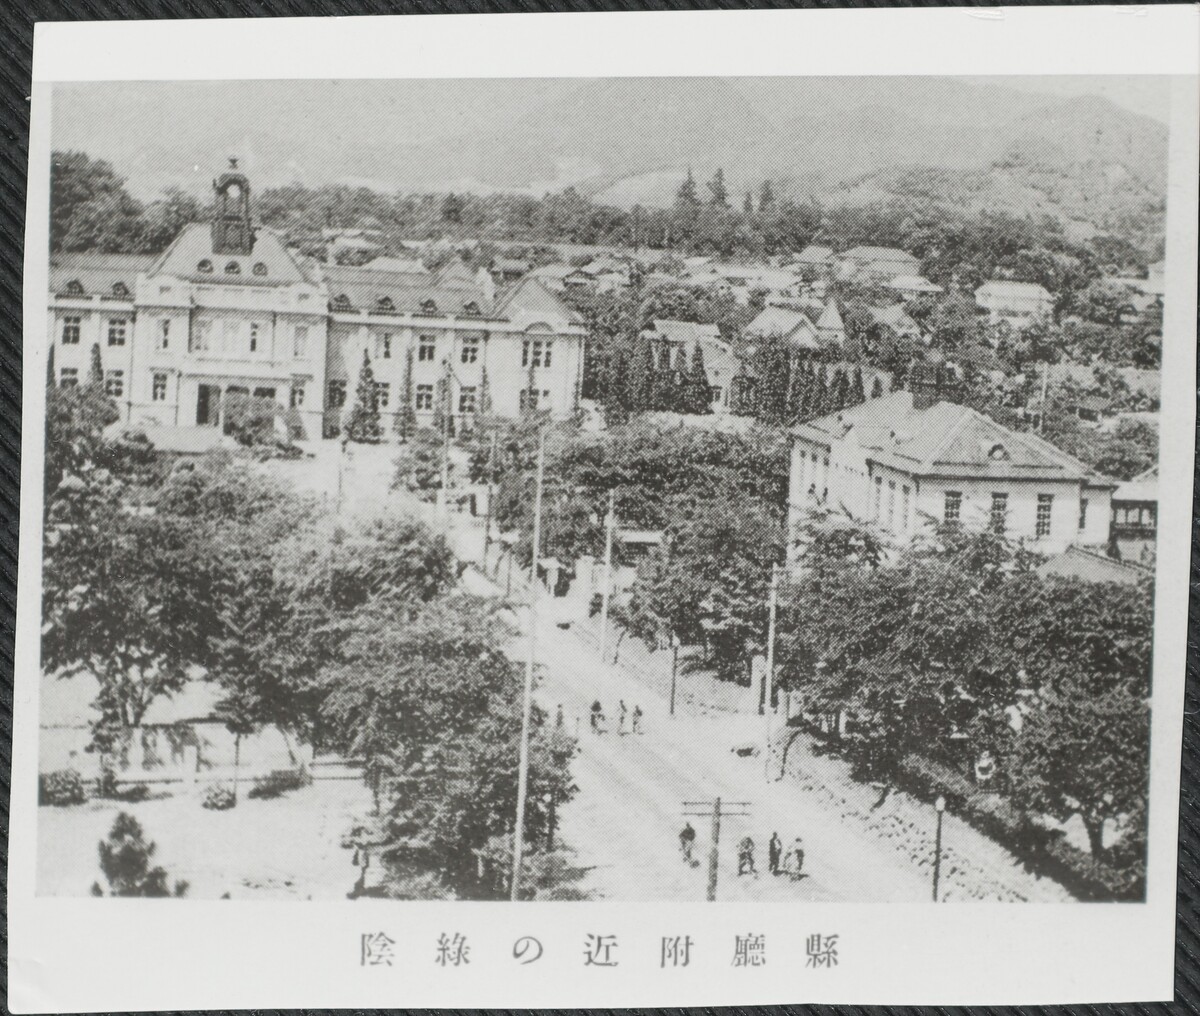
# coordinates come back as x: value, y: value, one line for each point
x: 748, y: 204
x: 75, y: 422
x: 452, y: 209
x: 363, y: 424
x: 1079, y: 753
x: 126, y: 859
x: 250, y: 419
x: 95, y: 369
x: 419, y: 464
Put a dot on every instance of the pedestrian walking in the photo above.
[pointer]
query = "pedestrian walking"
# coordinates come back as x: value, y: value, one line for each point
x: 687, y: 840
x: 774, y: 853
x: 596, y: 717
x: 797, y: 853
x: 621, y: 717
x: 746, y: 856
x: 637, y: 719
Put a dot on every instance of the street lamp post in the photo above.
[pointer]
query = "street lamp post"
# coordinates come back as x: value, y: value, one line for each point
x: 940, y: 807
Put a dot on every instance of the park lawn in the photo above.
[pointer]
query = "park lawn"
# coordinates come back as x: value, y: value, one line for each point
x: 286, y: 848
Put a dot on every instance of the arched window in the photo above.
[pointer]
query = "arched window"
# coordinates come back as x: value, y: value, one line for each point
x: 428, y: 307
x: 384, y: 303
x: 205, y: 267
x: 120, y: 290
x: 341, y: 302
x: 74, y: 288
x: 259, y: 268
x: 233, y: 268
x: 471, y: 309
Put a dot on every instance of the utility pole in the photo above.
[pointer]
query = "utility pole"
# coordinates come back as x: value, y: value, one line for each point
x: 609, y: 526
x: 527, y: 698
x: 716, y: 811
x: 769, y: 676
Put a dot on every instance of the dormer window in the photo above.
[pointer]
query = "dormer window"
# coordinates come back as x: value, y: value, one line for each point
x: 205, y: 267
x: 384, y: 304
x: 233, y: 268
x: 341, y: 302
x: 428, y: 307
x: 471, y: 309
x: 120, y: 290
x: 259, y: 269
x: 74, y: 288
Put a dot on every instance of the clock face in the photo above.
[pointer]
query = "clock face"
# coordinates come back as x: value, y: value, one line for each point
x: 234, y: 191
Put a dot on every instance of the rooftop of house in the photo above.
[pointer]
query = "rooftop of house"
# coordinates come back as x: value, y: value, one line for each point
x: 413, y: 266
x: 867, y: 253
x: 97, y: 274
x: 1092, y: 565
x: 945, y: 439
x: 685, y: 331
x: 269, y: 263
x: 1010, y: 288
x: 530, y: 298
x: 793, y: 324
x: 895, y: 316
x: 358, y: 288
x: 917, y: 283
x: 1142, y: 488
x: 814, y: 254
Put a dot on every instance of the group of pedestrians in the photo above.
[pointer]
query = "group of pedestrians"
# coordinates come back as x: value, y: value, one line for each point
x: 627, y: 722
x: 779, y: 861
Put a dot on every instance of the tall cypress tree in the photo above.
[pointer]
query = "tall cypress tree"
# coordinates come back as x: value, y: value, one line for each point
x: 406, y: 418
x: 485, y: 394
x: 363, y: 425
x: 617, y: 406
x: 642, y: 380
x: 96, y: 371
x: 821, y: 401
x: 858, y: 393
x: 50, y: 379
x: 877, y: 388
x: 841, y: 391
x: 697, y: 393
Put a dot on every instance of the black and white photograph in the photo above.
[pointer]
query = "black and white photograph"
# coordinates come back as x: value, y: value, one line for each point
x: 643, y: 490
x: 804, y: 467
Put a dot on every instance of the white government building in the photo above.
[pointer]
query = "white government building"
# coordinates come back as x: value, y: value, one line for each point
x: 911, y: 461
x: 227, y: 308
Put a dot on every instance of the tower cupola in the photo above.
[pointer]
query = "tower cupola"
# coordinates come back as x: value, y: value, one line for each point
x: 231, y: 229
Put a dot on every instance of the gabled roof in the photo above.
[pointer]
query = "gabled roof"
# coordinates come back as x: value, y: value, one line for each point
x: 530, y: 297
x: 407, y: 292
x: 894, y: 316
x: 97, y: 273
x: 793, y: 325
x: 948, y: 440
x: 182, y: 260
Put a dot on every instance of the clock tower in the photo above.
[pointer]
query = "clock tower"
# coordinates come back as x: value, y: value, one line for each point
x: 231, y: 229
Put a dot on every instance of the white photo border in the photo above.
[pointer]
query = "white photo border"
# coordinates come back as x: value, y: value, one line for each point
x: 162, y: 955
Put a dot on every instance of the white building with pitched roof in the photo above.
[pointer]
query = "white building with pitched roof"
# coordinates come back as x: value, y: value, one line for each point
x: 906, y: 464
x: 227, y: 310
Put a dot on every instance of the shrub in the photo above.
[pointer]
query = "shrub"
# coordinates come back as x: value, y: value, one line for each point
x: 125, y: 859
x: 279, y: 782
x: 219, y: 798
x: 61, y: 788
